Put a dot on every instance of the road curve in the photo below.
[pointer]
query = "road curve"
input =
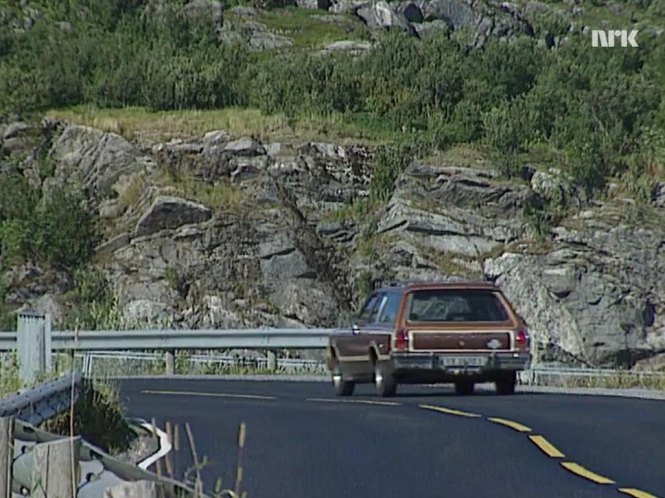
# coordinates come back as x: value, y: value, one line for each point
x: 426, y: 442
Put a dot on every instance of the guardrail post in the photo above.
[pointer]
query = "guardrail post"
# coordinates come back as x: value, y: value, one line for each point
x: 272, y: 360
x: 56, y: 471
x: 6, y: 455
x: 136, y: 489
x: 31, y: 345
x: 169, y: 357
x: 48, y: 348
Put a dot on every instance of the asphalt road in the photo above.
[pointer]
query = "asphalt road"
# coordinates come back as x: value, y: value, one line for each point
x: 302, y: 442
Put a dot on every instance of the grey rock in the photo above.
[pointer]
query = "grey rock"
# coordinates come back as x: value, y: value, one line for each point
x: 410, y: 11
x: 244, y: 11
x: 170, y: 213
x: 485, y: 19
x: 347, y: 6
x: 112, y: 245
x: 349, y: 46
x: 50, y: 303
x: 457, y: 13
x: 381, y: 15
x: 16, y: 129
x: 244, y: 147
x: 248, y: 167
x: 314, y: 4
x: 216, y: 138
x: 213, y: 9
x: 95, y: 160
x: 111, y: 209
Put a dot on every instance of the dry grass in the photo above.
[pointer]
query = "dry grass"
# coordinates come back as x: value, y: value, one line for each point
x: 464, y: 155
x: 139, y: 124
x: 618, y: 381
x: 221, y: 195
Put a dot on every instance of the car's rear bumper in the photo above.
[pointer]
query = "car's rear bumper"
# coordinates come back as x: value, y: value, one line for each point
x: 419, y: 362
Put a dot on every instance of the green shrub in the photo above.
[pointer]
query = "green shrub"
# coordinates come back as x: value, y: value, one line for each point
x: 389, y: 162
x: 57, y: 231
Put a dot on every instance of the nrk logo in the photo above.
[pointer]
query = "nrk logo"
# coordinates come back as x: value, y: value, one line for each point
x: 606, y: 39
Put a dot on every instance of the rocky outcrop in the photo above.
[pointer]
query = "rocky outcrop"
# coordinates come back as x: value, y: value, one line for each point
x: 262, y: 234
x: 99, y: 162
x: 595, y: 295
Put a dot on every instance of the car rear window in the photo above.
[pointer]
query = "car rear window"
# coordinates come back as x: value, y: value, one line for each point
x: 454, y: 305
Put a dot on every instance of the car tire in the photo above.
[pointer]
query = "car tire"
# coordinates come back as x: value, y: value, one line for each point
x: 342, y: 387
x: 505, y: 385
x: 464, y: 387
x: 384, y: 381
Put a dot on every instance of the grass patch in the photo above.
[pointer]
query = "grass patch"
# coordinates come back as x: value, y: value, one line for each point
x: 358, y: 210
x: 140, y: 124
x: 462, y: 155
x: 9, y: 380
x: 98, y: 418
x: 451, y: 264
x: 221, y: 195
x: 313, y: 29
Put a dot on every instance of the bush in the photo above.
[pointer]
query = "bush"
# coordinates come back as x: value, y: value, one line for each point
x: 57, y: 231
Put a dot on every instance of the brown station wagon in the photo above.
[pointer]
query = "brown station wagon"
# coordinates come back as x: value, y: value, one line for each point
x: 421, y: 333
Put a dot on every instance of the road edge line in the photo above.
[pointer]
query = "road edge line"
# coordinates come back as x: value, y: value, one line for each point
x: 164, y: 446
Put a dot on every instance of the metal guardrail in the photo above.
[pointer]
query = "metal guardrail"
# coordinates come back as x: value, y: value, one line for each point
x: 114, y: 340
x: 97, y: 346
x: 98, y: 470
x: 40, y: 403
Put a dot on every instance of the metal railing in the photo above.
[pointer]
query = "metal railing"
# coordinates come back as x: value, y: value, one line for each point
x: 100, y: 474
x: 47, y: 400
x: 135, y: 352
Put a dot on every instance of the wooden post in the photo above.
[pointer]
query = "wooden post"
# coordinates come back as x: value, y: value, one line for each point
x: 55, y: 473
x: 170, y: 362
x: 6, y: 455
x: 136, y: 489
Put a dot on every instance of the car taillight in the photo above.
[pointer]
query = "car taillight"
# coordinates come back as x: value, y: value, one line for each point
x: 402, y: 339
x: 522, y: 338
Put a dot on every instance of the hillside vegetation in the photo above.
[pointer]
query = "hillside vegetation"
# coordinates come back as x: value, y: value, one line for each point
x: 596, y: 113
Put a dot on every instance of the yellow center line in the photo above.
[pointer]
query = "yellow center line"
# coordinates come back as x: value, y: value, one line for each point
x: 548, y: 448
x: 509, y: 423
x: 208, y: 395
x: 449, y: 411
x: 587, y: 474
x: 360, y: 401
x: 636, y: 493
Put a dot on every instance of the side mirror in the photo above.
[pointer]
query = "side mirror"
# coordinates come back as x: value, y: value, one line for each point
x: 354, y: 328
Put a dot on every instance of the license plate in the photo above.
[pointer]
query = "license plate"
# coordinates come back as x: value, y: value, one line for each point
x: 462, y: 361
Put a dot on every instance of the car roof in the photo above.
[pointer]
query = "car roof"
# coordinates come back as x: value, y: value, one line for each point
x: 403, y: 286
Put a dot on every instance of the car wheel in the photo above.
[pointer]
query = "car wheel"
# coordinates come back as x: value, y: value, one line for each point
x: 385, y: 383
x: 464, y: 387
x: 506, y: 384
x: 342, y: 387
